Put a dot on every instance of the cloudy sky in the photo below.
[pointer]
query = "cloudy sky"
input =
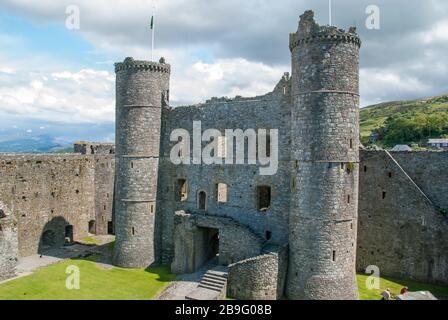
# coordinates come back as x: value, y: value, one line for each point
x: 54, y: 77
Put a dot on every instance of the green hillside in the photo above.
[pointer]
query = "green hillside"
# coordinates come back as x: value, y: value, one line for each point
x: 405, y: 122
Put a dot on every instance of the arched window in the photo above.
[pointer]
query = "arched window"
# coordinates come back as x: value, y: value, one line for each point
x: 202, y: 200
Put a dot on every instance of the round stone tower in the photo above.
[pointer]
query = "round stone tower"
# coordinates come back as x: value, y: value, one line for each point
x: 325, y: 156
x: 142, y: 88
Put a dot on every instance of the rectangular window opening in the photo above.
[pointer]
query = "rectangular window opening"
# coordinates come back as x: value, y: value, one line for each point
x: 182, y: 190
x: 333, y: 258
x: 221, y: 192
x: 263, y: 198
x: 268, y: 235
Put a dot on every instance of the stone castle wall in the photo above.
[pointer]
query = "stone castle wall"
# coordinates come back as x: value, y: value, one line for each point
x: 52, y: 191
x: 192, y: 237
x: 8, y: 243
x: 400, y: 230
x: 259, y: 278
x: 104, y: 193
x: 271, y: 111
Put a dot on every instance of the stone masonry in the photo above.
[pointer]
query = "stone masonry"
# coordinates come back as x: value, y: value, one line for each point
x: 324, y: 156
x: 294, y: 234
x: 142, y: 90
x: 8, y: 243
x: 52, y: 194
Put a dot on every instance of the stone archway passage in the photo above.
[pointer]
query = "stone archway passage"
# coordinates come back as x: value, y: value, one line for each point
x: 48, y: 239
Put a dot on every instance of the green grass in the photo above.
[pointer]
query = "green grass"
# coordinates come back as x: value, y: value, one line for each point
x: 90, y: 240
x: 96, y: 283
x: 395, y: 285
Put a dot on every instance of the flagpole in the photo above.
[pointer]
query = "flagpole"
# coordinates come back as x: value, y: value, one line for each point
x: 152, y: 34
x: 329, y: 11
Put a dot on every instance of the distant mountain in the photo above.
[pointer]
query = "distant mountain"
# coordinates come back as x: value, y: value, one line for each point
x: 27, y: 143
x: 405, y: 122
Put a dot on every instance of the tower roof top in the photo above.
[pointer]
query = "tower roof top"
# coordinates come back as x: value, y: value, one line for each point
x: 130, y: 63
x: 309, y: 30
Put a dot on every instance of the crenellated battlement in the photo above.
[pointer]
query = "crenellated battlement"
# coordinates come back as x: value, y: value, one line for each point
x: 309, y: 31
x: 129, y: 63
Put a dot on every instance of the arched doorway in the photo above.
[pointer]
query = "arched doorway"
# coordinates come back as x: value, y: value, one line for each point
x: 202, y: 200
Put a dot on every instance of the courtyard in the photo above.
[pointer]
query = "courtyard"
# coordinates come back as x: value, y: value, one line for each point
x: 102, y: 281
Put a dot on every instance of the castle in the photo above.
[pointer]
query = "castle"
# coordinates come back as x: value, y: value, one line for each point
x: 332, y: 208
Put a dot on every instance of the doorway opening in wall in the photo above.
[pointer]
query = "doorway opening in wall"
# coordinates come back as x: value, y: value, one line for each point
x: 68, y: 234
x: 210, y: 249
x: 110, y: 228
x: 92, y: 227
x: 48, y: 239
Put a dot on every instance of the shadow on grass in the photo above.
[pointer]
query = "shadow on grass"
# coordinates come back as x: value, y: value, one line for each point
x: 162, y: 271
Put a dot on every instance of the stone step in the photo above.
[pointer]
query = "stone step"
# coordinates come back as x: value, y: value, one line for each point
x: 215, y: 278
x: 221, y: 274
x: 206, y: 286
x: 219, y: 286
x: 217, y: 282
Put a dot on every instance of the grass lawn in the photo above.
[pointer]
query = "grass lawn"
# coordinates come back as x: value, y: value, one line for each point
x: 440, y: 292
x: 96, y: 283
x: 90, y: 240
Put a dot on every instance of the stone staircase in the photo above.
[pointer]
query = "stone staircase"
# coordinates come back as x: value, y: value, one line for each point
x: 213, y: 285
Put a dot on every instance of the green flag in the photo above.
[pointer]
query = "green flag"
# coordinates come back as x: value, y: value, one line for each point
x: 152, y: 23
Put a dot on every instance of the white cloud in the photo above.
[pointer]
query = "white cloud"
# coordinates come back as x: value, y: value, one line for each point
x: 225, y: 77
x: 7, y: 70
x: 379, y: 84
x: 247, y: 43
x: 438, y: 33
x: 70, y: 97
